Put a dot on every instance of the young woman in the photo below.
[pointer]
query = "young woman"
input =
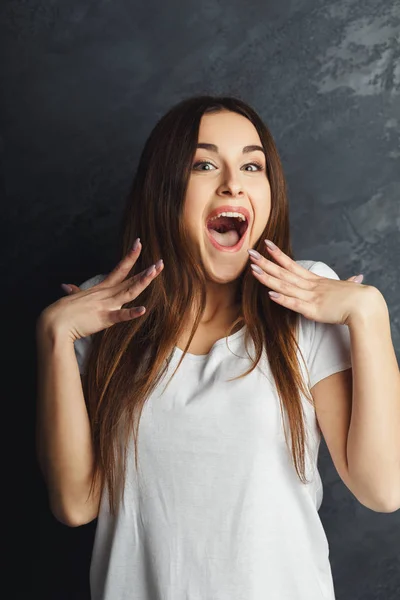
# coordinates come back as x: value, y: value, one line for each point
x: 208, y: 498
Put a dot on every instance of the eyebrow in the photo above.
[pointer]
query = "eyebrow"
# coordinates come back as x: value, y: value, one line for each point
x: 246, y: 149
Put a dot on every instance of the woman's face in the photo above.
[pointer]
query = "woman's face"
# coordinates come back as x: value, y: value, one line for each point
x: 227, y: 176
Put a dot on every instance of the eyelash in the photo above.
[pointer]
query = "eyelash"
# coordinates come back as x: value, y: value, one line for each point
x: 207, y: 162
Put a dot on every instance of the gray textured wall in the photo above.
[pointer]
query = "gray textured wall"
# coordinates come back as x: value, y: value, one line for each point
x: 83, y: 84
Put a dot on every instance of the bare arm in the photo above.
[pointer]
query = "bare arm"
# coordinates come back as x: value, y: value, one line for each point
x: 64, y: 442
x: 63, y: 435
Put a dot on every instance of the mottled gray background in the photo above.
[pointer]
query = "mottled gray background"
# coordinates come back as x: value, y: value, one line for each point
x: 82, y: 85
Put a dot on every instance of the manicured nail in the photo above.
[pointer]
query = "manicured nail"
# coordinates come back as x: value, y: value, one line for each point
x: 254, y: 254
x: 135, y: 245
x: 67, y: 288
x: 270, y: 244
x: 358, y: 279
x: 149, y: 271
x: 257, y: 269
x: 139, y: 309
x: 159, y: 263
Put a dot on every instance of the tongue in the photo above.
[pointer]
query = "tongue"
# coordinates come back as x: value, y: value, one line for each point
x: 229, y: 238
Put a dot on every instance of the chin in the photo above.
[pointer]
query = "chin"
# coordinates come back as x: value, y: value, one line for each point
x: 224, y: 273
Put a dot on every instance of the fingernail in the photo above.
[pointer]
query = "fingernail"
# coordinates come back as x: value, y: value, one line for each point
x: 139, y: 309
x: 135, y: 244
x: 358, y: 279
x: 149, y: 271
x: 254, y: 254
x: 159, y: 263
x: 270, y: 244
x: 67, y: 288
x: 257, y: 269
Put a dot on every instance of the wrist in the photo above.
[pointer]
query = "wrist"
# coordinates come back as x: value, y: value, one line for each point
x: 50, y: 331
x: 374, y: 307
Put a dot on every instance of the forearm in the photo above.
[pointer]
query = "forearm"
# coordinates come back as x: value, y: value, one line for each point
x: 373, y: 446
x: 63, y: 433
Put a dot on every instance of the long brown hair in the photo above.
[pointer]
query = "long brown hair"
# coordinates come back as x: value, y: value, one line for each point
x: 127, y: 360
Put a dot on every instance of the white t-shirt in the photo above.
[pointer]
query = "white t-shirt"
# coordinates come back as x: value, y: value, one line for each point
x: 218, y: 511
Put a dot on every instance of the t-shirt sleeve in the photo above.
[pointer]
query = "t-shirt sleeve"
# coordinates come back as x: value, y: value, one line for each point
x: 82, y: 345
x: 329, y: 344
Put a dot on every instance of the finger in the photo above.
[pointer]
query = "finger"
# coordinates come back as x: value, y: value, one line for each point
x: 134, y: 286
x: 277, y: 273
x: 139, y: 282
x: 356, y: 278
x: 126, y: 314
x: 67, y: 288
x: 289, y: 264
x: 123, y: 268
x: 70, y: 288
x: 143, y: 275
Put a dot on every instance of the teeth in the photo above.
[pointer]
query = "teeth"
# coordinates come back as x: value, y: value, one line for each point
x: 229, y: 214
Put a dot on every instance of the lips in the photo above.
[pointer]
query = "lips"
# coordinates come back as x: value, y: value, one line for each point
x: 229, y: 208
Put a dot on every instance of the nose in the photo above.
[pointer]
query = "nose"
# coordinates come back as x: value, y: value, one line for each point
x: 231, y: 188
x: 231, y: 184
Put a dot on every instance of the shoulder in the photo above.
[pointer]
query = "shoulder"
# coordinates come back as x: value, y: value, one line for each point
x: 319, y: 268
x: 308, y: 328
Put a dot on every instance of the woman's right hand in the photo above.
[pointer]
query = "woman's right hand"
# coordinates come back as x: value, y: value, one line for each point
x: 84, y: 312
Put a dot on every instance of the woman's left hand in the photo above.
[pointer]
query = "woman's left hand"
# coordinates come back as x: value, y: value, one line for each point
x: 317, y: 298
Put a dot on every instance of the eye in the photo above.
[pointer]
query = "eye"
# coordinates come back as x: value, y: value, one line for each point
x: 259, y: 166
x: 202, y: 162
x: 256, y: 164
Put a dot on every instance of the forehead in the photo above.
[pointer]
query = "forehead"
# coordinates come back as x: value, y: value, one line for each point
x: 227, y: 129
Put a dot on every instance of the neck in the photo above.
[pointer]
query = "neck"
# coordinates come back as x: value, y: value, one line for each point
x: 221, y: 303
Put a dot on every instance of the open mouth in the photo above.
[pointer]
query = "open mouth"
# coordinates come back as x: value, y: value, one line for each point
x: 227, y: 231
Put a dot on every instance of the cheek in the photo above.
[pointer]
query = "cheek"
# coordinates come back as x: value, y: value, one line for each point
x: 262, y: 211
x: 195, y: 205
x: 193, y: 217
